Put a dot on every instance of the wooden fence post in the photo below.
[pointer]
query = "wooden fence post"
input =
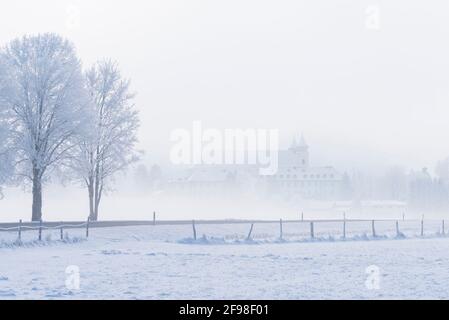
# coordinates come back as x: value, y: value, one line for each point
x: 40, y: 229
x: 344, y: 226
x: 62, y: 232
x: 311, y: 230
x: 250, y: 231
x: 87, y: 226
x: 20, y: 229
x: 422, y: 226
x: 194, y: 229
x: 397, y: 228
x: 442, y: 227
x: 280, y: 229
x: 302, y: 216
x: 154, y: 218
x: 373, y: 229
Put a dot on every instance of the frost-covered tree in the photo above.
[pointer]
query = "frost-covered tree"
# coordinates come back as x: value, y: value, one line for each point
x: 6, y: 147
x: 6, y: 154
x: 394, y: 184
x: 111, y: 146
x: 44, y: 100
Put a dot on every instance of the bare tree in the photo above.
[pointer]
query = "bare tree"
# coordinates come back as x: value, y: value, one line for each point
x: 45, y: 103
x: 6, y: 150
x: 111, y: 146
x: 6, y: 154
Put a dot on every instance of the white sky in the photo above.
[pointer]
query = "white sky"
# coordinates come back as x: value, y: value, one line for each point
x: 360, y: 95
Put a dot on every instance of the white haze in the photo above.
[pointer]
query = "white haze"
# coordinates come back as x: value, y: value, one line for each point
x: 365, y: 98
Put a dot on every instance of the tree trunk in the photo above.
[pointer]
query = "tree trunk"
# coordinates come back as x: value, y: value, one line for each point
x: 96, y: 189
x: 36, y: 214
x: 97, y: 204
x: 95, y: 192
x: 90, y: 189
x: 97, y: 199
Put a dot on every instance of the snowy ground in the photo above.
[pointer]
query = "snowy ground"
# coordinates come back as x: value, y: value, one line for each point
x: 161, y: 262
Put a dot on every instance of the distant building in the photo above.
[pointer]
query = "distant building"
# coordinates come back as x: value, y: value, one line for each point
x: 295, y: 177
x: 427, y: 193
x: 371, y: 207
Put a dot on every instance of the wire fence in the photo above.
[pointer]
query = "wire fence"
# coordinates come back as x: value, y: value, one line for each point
x: 256, y: 229
x: 41, y: 226
x: 328, y: 229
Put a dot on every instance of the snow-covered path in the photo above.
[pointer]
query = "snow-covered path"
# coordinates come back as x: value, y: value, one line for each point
x: 145, y: 263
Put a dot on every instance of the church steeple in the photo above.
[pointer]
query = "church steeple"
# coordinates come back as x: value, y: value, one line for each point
x: 302, y: 141
x: 301, y: 150
x: 294, y: 143
x: 298, y: 142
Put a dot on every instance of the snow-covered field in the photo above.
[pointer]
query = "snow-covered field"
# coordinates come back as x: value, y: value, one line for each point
x: 162, y: 262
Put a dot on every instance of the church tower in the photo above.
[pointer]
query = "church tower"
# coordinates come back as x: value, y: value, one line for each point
x: 301, y: 150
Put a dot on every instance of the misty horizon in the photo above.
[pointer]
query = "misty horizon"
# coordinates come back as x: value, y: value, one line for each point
x: 366, y: 96
x: 360, y: 95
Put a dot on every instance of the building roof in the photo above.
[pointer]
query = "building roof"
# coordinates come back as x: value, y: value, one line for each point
x: 203, y: 175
